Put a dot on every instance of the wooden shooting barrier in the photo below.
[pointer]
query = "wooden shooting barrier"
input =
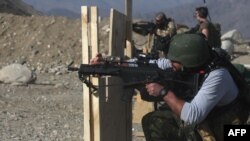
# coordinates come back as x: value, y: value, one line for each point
x: 91, y: 118
x: 106, y: 116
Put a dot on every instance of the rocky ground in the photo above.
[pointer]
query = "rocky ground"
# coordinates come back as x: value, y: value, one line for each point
x: 42, y: 112
x: 51, y: 108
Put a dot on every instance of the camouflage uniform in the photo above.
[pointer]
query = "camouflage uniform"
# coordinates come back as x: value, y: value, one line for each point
x: 162, y: 36
x: 164, y: 125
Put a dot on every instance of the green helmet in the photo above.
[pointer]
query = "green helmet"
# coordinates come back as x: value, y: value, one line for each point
x: 191, y: 50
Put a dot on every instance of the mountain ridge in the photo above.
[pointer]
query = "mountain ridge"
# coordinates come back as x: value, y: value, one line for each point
x: 231, y: 14
x: 17, y: 7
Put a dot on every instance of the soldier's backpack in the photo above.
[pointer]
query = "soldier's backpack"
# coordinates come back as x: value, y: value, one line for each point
x: 215, y: 36
x: 245, y: 73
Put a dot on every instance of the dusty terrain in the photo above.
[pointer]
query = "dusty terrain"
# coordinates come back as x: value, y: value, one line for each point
x: 51, y: 109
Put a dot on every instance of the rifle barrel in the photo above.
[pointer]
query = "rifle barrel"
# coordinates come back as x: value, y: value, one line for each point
x: 73, y: 69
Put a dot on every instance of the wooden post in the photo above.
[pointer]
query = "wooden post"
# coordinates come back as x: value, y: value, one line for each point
x: 129, y: 43
x: 94, y: 50
x: 140, y: 107
x: 89, y: 50
x: 116, y: 114
x: 106, y: 116
x: 85, y: 59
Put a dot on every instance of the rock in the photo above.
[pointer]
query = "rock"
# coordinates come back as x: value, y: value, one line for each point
x: 228, y: 46
x: 233, y: 35
x: 16, y: 73
x: 229, y: 39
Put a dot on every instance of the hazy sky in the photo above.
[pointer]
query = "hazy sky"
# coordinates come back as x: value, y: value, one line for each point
x: 139, y: 6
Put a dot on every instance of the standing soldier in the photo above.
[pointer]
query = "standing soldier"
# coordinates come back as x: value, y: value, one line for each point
x: 162, y: 30
x: 208, y: 29
x: 165, y: 30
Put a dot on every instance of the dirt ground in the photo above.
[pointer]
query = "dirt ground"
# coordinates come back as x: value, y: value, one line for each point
x: 50, y: 110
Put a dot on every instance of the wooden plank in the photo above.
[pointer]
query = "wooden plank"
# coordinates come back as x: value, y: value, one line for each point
x: 85, y: 60
x: 89, y: 50
x: 128, y: 13
x: 117, y: 36
x: 141, y: 108
x: 94, y: 31
x: 138, y: 134
x: 94, y: 98
x: 116, y: 124
x: 116, y: 114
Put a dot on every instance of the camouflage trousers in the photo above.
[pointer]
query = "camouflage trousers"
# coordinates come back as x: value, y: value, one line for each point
x: 163, y: 125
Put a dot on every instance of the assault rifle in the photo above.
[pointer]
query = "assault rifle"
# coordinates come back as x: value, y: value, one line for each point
x: 137, y: 77
x: 143, y: 27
